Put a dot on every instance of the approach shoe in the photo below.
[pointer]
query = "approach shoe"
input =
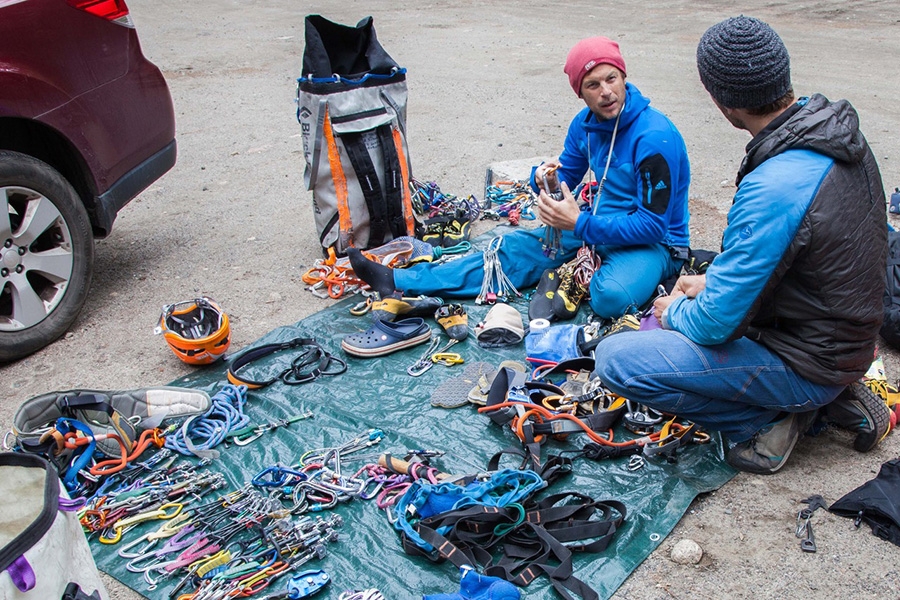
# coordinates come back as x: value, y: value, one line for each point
x: 393, y: 306
x: 454, y: 320
x: 769, y: 448
x: 568, y: 296
x: 384, y: 337
x: 859, y: 409
x: 541, y: 305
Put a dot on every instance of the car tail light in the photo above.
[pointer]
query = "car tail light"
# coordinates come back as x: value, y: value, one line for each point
x: 114, y: 11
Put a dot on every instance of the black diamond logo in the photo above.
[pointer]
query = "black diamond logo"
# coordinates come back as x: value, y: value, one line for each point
x: 304, y: 112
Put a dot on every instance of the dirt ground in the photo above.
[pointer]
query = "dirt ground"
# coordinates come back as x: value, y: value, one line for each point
x: 232, y: 220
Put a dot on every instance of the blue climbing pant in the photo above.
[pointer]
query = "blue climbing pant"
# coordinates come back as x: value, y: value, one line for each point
x: 736, y: 388
x: 627, y: 278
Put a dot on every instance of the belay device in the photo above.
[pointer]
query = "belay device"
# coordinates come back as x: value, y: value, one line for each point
x: 351, y: 104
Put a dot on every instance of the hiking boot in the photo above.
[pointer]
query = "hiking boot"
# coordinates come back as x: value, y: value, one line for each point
x: 857, y: 408
x: 769, y: 448
x: 541, y: 305
x: 569, y: 295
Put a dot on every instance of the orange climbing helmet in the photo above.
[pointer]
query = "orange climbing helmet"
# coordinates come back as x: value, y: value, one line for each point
x: 197, y: 330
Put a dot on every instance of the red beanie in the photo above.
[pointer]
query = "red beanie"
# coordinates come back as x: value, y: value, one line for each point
x: 589, y: 53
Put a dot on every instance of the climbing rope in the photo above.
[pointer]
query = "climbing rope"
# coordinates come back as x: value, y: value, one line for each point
x: 200, y: 433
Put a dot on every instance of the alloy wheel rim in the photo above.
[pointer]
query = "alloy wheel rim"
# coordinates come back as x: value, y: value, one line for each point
x: 36, y: 257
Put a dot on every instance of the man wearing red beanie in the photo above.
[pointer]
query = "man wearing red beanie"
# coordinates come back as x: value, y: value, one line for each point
x: 637, y: 222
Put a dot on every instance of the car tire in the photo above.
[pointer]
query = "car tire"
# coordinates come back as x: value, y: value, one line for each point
x: 46, y: 255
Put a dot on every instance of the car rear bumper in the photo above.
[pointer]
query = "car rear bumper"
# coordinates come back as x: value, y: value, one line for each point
x: 130, y: 185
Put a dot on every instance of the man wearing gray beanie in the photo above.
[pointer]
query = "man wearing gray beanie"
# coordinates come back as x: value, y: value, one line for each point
x: 783, y: 324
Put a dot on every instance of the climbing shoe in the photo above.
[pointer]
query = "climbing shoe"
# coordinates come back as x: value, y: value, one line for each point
x: 454, y: 320
x: 769, y: 448
x: 859, y: 409
x: 541, y: 305
x: 624, y: 323
x: 456, y: 231
x: 569, y: 295
x: 434, y: 231
x: 394, y: 306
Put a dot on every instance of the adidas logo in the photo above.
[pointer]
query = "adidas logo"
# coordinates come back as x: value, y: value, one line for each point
x: 660, y: 186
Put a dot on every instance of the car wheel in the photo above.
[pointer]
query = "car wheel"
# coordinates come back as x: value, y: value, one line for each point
x: 46, y: 255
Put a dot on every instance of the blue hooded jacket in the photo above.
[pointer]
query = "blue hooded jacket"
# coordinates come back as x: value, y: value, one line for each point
x: 645, y: 196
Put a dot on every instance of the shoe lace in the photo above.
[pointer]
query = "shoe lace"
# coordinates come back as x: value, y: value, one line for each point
x: 886, y: 391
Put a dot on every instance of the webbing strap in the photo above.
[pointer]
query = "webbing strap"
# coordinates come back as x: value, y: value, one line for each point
x: 340, y: 185
x: 404, y: 171
x: 367, y: 178
x: 538, y: 544
x: 394, y: 182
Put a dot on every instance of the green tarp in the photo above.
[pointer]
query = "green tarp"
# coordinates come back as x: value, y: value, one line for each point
x: 379, y: 394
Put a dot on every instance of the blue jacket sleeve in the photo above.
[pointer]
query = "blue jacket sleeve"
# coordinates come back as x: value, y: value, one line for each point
x: 762, y: 222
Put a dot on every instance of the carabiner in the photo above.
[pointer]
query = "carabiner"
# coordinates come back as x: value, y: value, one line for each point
x: 447, y: 358
x: 248, y: 438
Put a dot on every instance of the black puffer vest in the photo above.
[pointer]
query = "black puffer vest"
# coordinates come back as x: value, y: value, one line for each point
x: 822, y: 308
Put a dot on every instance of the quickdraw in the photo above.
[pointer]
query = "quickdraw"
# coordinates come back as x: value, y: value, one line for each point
x: 435, y: 353
x: 495, y: 285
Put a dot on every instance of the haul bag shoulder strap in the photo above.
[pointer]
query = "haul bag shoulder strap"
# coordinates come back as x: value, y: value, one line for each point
x: 32, y: 511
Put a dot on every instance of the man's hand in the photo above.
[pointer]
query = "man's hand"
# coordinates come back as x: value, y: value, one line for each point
x: 549, y: 169
x: 687, y: 285
x: 690, y: 285
x: 562, y: 214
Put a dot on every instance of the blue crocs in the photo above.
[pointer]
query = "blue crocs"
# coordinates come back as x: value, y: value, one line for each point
x: 384, y: 337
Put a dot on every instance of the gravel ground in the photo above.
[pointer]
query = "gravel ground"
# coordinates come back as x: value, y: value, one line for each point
x: 233, y: 221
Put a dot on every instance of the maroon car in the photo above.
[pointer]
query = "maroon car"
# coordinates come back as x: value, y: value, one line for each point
x: 86, y: 124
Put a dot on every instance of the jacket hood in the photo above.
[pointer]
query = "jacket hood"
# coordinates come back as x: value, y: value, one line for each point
x: 829, y: 128
x: 635, y: 103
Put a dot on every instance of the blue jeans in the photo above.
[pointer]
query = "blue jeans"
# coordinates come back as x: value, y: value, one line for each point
x: 627, y: 278
x: 736, y: 388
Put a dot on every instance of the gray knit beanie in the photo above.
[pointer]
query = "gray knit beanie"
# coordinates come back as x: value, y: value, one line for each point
x: 743, y: 63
